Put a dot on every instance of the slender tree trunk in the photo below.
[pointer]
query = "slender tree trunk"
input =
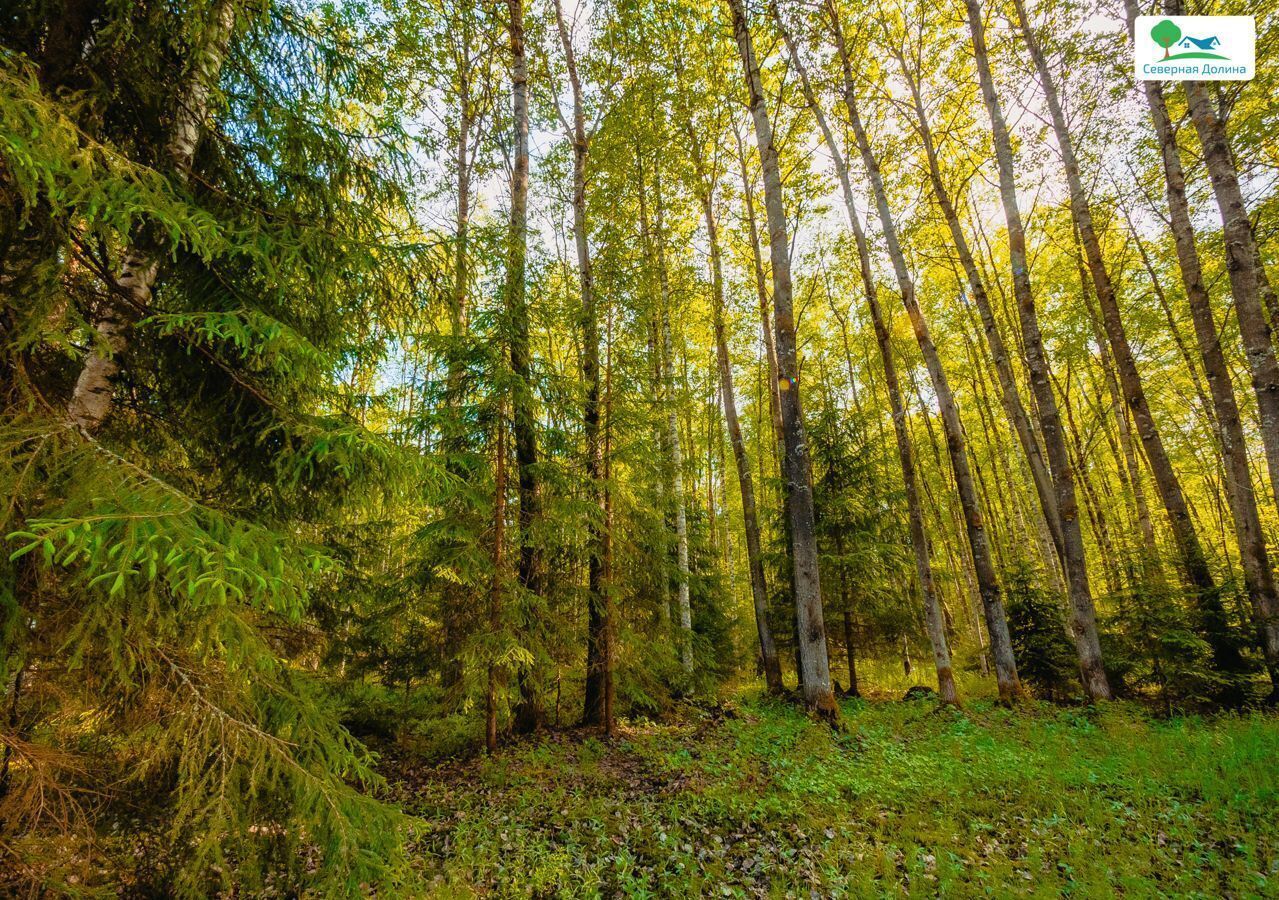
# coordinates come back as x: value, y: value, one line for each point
x: 1192, y: 368
x: 1248, y: 279
x: 1166, y: 480
x: 1119, y: 413
x: 529, y: 714
x: 683, y: 604
x: 1083, y: 613
x: 765, y: 318
x: 1011, y: 399
x: 1010, y: 688
x: 461, y: 274
x: 755, y: 564
x: 609, y: 625
x: 656, y: 390
x: 918, y: 538
x: 815, y: 665
x: 1258, y: 576
x: 846, y: 606
x: 597, y: 656
x: 91, y: 400
x: 454, y: 437
x: 774, y: 396
x: 759, y: 591
x: 495, y: 589
x: 1092, y: 503
x: 850, y: 647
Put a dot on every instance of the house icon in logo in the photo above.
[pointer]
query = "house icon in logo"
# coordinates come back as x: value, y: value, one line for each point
x: 1208, y: 43
x: 1167, y: 33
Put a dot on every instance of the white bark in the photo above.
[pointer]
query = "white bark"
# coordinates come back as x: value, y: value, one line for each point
x: 91, y: 400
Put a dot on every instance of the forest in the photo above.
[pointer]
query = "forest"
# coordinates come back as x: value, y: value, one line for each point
x: 636, y: 448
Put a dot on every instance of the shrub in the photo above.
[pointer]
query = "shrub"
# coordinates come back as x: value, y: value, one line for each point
x: 1045, y: 655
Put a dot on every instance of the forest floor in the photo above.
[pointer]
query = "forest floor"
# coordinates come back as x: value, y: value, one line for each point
x: 753, y: 799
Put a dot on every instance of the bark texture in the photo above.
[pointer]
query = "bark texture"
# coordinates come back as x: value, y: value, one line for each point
x: 1010, y: 688
x: 1248, y: 279
x: 1083, y: 613
x: 814, y: 662
x: 946, y: 689
x: 91, y: 399
x: 529, y: 714
x: 1255, y: 562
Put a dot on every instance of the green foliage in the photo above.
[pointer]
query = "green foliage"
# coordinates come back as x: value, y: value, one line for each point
x: 167, y: 607
x: 284, y: 542
x: 1045, y: 655
x: 758, y: 799
x: 159, y: 597
x: 1165, y: 34
x: 1154, y: 647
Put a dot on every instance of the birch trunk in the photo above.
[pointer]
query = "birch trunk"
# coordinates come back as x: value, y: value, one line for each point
x: 1011, y: 399
x: 933, y: 618
x: 814, y: 662
x: 1083, y: 613
x: 1248, y: 280
x: 1258, y: 576
x: 529, y: 714
x: 91, y: 399
x: 1166, y: 481
x: 1010, y: 688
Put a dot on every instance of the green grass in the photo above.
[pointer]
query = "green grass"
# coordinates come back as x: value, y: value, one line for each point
x: 911, y: 800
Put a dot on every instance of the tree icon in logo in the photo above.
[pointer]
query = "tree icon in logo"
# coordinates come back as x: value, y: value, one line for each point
x: 1165, y: 34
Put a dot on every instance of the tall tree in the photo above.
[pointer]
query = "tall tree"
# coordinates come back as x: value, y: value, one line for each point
x: 815, y: 666
x: 1083, y: 613
x: 528, y: 713
x: 598, y: 652
x: 946, y: 689
x: 1009, y: 395
x: 705, y: 184
x: 1166, y: 478
x: 674, y: 439
x: 754, y: 552
x: 1258, y: 575
x: 1248, y: 279
x: 1010, y: 688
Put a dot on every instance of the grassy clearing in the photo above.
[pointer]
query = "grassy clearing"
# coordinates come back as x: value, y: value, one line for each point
x: 756, y: 800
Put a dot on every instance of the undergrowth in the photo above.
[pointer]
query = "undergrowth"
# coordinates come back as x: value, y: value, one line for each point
x: 756, y: 800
